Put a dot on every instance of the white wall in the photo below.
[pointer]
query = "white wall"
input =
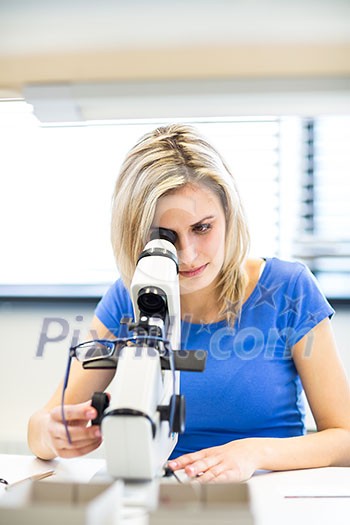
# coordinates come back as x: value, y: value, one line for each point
x: 27, y: 381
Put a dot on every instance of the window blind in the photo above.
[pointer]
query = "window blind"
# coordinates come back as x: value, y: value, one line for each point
x: 324, y: 226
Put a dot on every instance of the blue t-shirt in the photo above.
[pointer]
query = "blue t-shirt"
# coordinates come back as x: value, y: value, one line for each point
x: 250, y: 387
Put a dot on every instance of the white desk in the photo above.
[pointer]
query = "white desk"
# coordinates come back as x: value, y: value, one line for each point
x: 288, y: 498
x: 15, y: 467
x: 320, y: 496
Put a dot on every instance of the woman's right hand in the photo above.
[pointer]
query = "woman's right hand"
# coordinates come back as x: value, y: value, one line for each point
x: 84, y: 437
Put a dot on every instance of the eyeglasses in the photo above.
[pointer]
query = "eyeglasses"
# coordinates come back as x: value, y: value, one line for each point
x: 97, y: 350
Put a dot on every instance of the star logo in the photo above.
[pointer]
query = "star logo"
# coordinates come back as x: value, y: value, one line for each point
x: 266, y: 295
x: 292, y: 304
x: 204, y: 328
x: 312, y: 318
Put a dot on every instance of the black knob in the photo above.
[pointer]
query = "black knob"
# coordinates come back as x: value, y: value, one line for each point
x: 100, y: 401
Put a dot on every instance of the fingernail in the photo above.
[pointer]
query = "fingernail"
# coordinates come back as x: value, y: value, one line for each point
x: 98, y: 433
x: 90, y: 414
x: 172, y: 464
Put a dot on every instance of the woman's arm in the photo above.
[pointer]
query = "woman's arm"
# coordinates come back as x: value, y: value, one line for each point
x: 327, y: 389
x: 46, y: 433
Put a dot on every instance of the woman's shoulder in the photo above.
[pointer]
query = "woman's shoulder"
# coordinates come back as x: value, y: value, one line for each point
x: 116, y: 291
x: 115, y: 299
x: 260, y: 270
x: 289, y: 276
x: 276, y: 275
x: 285, y: 268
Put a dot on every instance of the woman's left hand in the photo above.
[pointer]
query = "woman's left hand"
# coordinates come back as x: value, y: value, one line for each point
x: 232, y: 462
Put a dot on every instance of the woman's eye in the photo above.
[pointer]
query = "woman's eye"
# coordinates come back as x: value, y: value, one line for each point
x: 202, y: 228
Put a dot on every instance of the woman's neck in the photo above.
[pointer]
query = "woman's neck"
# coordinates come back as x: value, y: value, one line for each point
x: 201, y: 306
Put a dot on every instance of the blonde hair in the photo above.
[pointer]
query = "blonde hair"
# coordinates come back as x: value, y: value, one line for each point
x: 162, y: 161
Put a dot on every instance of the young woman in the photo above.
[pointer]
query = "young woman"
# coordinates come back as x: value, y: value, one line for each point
x: 264, y: 323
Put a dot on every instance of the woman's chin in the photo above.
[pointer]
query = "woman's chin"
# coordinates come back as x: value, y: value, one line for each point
x: 193, y: 285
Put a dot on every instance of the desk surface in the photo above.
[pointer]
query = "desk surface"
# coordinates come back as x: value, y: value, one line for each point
x: 302, y: 496
x: 15, y: 467
x: 288, y: 498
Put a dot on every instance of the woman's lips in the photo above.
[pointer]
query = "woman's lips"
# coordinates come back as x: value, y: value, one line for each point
x: 194, y: 272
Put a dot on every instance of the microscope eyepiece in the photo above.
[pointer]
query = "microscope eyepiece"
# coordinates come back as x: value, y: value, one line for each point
x: 164, y: 233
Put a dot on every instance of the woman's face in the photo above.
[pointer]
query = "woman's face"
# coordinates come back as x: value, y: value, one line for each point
x: 196, y: 214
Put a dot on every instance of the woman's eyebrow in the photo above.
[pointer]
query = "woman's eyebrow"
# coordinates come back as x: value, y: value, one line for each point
x: 210, y: 217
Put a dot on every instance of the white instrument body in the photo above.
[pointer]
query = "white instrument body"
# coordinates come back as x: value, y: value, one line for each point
x: 139, y: 443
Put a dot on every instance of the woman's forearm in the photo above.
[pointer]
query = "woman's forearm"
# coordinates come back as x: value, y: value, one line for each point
x: 239, y: 459
x: 326, y: 448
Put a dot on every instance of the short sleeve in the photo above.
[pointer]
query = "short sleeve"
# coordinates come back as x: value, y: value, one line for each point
x: 305, y: 305
x: 113, y: 306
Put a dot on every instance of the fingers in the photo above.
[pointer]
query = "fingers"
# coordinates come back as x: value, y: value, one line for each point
x: 196, y: 462
x: 220, y: 474
x: 211, y: 465
x: 78, y: 431
x: 80, y: 412
x: 64, y: 450
x: 187, y: 459
x: 84, y: 437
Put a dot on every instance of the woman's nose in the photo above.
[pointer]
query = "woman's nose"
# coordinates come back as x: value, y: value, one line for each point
x: 186, y: 251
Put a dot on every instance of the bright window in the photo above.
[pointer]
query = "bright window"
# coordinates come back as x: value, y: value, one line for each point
x: 57, y: 183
